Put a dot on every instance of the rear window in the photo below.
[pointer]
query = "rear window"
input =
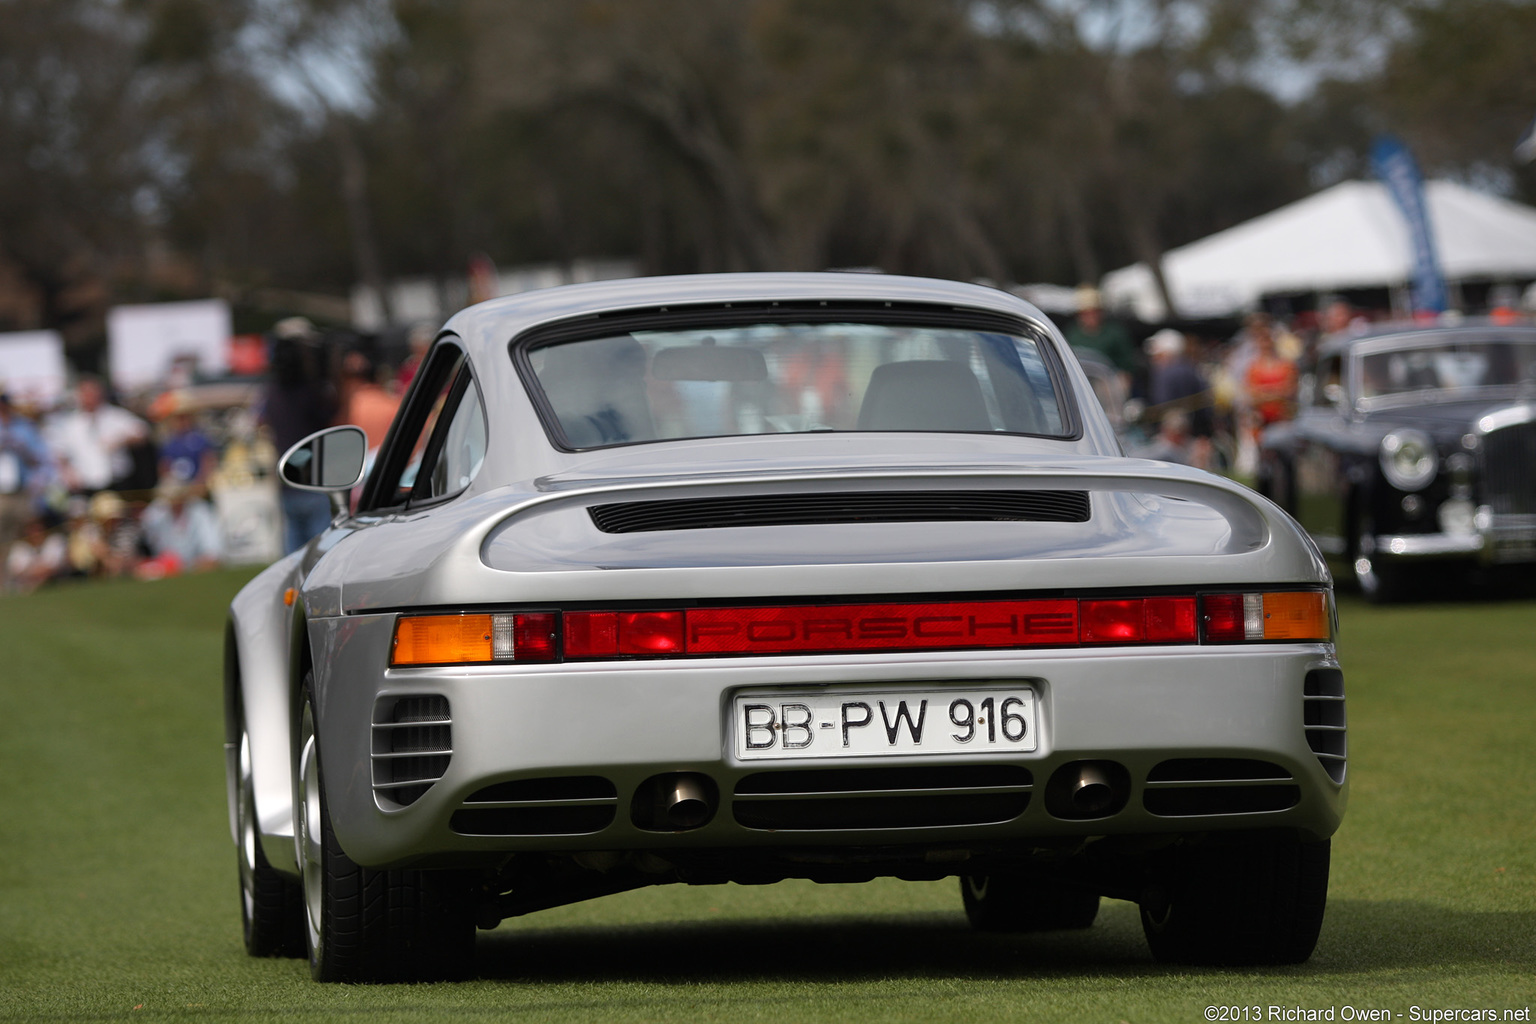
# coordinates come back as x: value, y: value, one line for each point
x: 785, y: 378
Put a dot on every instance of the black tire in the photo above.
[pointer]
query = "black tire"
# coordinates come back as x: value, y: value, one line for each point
x: 1379, y: 581
x: 1011, y: 902
x: 271, y: 903
x: 364, y: 925
x: 1246, y: 901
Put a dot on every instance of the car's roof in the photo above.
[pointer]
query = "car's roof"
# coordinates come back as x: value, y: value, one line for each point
x: 497, y: 321
x: 1409, y: 332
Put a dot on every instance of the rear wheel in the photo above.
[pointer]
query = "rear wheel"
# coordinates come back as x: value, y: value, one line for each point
x: 1012, y: 902
x: 367, y: 925
x: 1246, y: 900
x: 271, y: 903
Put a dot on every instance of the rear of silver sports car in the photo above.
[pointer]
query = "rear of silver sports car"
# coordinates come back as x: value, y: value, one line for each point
x: 1079, y: 699
x: 743, y: 578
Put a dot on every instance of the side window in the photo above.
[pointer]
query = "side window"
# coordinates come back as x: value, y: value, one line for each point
x: 456, y: 459
x: 408, y: 448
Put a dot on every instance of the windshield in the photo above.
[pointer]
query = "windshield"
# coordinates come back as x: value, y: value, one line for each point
x: 793, y: 378
x: 1422, y: 370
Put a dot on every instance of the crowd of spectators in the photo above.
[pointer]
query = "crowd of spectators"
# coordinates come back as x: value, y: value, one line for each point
x: 100, y: 487
x: 1202, y: 397
x: 92, y: 488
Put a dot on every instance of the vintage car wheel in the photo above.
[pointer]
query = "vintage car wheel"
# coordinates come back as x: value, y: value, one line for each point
x: 1378, y: 583
x: 1276, y: 482
x: 271, y: 904
x: 365, y: 925
x: 1238, y: 901
x: 1018, y: 903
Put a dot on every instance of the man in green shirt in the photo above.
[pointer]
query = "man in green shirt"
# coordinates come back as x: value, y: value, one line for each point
x: 1108, y: 338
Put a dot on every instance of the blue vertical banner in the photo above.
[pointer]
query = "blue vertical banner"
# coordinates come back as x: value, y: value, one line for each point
x: 1395, y: 166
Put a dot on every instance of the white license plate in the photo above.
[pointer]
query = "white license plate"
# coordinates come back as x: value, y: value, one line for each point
x: 829, y: 723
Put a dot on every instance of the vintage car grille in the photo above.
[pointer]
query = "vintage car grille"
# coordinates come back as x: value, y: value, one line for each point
x: 860, y: 798
x: 1323, y: 718
x: 567, y: 805
x: 412, y: 745
x: 851, y: 507
x: 1192, y: 786
x: 1508, y: 455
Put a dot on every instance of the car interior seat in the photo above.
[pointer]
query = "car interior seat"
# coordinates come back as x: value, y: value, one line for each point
x: 923, y: 394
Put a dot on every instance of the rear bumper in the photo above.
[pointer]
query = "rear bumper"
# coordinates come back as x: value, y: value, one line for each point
x: 1208, y: 738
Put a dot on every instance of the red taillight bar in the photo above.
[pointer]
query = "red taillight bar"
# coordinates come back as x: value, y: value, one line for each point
x: 1212, y: 618
x: 951, y: 625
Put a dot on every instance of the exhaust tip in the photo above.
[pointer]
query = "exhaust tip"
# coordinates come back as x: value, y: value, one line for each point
x: 1083, y: 790
x: 687, y: 804
x: 675, y: 802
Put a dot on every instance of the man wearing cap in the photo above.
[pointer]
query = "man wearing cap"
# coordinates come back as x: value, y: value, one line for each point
x: 1174, y: 385
x: 1109, y: 339
x: 23, y: 462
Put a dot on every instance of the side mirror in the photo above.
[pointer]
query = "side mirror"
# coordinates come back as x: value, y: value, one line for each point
x: 328, y: 460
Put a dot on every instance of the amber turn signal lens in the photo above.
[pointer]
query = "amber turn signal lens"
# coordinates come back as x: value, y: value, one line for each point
x: 1302, y: 615
x: 442, y: 640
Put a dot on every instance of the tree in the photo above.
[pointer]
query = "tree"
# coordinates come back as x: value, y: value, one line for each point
x: 74, y: 157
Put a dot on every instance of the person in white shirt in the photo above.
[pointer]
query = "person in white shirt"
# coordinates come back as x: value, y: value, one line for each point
x: 39, y: 556
x: 92, y: 443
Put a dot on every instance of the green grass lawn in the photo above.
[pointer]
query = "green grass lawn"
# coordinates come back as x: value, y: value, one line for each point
x: 118, y: 893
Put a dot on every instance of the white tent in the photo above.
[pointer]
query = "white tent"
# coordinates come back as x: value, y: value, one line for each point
x: 1349, y: 236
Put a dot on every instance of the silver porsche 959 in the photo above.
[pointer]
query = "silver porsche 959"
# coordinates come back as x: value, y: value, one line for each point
x: 741, y: 578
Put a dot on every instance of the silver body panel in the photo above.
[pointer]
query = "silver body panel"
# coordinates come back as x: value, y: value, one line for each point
x: 519, y: 535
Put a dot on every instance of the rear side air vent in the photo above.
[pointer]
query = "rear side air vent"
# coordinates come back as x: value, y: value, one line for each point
x: 1197, y: 786
x: 412, y: 745
x: 1323, y: 717
x: 565, y: 805
x: 849, y: 507
x: 834, y: 799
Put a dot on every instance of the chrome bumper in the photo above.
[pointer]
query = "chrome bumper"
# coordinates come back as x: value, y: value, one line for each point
x: 1507, y: 539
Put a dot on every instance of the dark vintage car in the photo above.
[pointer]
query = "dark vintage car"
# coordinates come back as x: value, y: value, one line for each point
x: 1413, y: 448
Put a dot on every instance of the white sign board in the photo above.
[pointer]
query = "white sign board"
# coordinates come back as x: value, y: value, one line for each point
x: 145, y: 342
x: 252, y: 523
x: 32, y: 369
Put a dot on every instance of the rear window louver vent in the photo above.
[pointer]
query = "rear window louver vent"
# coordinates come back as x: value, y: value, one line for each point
x: 851, y: 507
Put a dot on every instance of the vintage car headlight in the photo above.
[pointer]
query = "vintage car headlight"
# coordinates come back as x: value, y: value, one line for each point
x: 1408, y: 459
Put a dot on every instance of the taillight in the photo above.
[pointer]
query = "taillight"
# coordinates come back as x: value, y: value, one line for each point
x: 1138, y: 620
x: 607, y: 634
x: 1212, y: 618
x: 468, y: 639
x: 1280, y: 615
